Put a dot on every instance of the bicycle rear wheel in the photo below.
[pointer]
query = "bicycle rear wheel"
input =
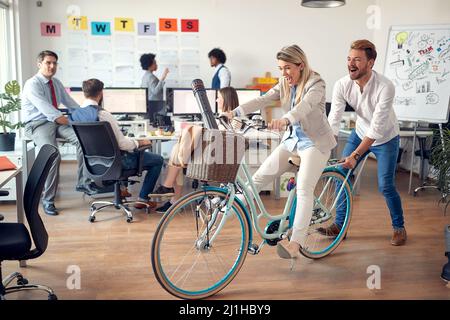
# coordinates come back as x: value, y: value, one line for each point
x: 198, y: 248
x: 326, y: 204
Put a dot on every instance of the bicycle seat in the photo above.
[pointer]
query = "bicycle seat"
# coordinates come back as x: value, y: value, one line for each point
x: 295, y: 161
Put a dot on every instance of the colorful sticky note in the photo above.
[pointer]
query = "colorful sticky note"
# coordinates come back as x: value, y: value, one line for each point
x: 101, y: 28
x: 147, y: 29
x: 168, y: 25
x: 189, y: 25
x: 49, y: 29
x: 77, y: 23
x: 124, y: 24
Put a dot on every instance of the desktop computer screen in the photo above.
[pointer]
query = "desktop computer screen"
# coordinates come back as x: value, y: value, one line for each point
x: 185, y: 103
x: 77, y: 95
x: 125, y: 100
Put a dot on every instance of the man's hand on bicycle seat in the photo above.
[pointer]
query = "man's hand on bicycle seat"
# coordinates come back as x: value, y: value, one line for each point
x: 279, y: 124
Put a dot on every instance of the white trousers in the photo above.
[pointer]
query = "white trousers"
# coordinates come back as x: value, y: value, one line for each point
x: 313, y: 161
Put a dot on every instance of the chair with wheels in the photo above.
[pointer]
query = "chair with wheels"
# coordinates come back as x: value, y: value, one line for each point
x: 15, y: 240
x: 103, y: 164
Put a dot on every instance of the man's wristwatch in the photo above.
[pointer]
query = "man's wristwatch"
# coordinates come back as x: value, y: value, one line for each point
x: 356, y: 155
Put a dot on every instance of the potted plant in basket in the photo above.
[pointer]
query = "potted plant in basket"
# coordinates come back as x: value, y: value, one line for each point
x: 9, y: 103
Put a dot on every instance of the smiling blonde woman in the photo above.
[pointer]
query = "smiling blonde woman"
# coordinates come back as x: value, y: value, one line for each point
x: 308, y: 135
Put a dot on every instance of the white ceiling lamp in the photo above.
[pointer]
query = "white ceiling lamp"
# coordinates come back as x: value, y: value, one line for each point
x: 323, y: 3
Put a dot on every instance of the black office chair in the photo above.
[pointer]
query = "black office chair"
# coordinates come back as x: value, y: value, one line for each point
x: 103, y: 164
x: 15, y: 241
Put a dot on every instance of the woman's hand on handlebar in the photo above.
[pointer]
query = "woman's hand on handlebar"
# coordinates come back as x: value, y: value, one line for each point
x: 279, y: 124
x: 228, y: 114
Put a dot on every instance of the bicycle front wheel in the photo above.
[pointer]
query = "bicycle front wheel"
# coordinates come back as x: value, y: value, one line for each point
x: 199, y: 246
x: 332, y: 202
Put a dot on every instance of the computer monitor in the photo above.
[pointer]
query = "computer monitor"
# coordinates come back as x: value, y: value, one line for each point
x: 125, y: 100
x: 76, y: 93
x: 185, y: 104
x: 246, y: 95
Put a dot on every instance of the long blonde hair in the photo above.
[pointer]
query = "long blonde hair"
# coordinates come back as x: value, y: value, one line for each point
x: 294, y: 54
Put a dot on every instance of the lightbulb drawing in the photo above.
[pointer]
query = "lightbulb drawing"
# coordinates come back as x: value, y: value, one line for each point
x: 401, y: 38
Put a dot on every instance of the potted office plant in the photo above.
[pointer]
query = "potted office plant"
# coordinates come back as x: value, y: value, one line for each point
x: 9, y: 103
x: 440, y: 160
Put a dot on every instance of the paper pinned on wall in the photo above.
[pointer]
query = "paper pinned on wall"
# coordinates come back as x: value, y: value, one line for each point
x: 189, y: 56
x: 124, y: 41
x: 124, y: 57
x: 103, y: 74
x: 77, y: 56
x: 147, y: 44
x: 173, y: 84
x: 168, y: 41
x: 77, y: 39
x: 168, y: 56
x: 101, y: 59
x: 123, y: 74
x: 101, y: 44
x: 173, y: 71
x: 190, y: 41
x: 76, y: 74
x: 189, y: 71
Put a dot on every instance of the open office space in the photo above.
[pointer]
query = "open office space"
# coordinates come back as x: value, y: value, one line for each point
x: 225, y: 150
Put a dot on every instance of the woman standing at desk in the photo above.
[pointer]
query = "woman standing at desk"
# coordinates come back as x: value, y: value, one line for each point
x: 154, y: 85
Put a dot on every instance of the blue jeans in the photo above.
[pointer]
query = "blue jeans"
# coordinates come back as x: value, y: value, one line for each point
x: 386, y: 155
x: 152, y: 163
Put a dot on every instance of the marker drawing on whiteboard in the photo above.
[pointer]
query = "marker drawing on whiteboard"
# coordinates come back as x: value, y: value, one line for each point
x: 432, y: 98
x: 419, y: 71
x: 405, y: 101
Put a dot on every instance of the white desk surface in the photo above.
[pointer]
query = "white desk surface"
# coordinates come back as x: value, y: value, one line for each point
x: 404, y: 134
x: 7, y: 175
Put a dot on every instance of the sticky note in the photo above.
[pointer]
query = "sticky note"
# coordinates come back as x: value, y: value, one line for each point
x: 77, y: 23
x: 189, y: 25
x: 168, y: 25
x: 147, y: 29
x: 101, y: 28
x: 124, y: 24
x: 49, y: 29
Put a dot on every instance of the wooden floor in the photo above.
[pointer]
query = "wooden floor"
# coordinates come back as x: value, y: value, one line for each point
x: 114, y: 256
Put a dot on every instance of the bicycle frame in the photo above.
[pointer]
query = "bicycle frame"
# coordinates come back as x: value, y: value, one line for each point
x: 251, y: 195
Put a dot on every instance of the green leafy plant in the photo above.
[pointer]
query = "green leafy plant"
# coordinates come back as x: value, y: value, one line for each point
x: 9, y: 102
x: 440, y: 159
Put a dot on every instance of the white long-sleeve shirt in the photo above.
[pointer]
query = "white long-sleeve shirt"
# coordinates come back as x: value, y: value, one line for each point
x: 375, y: 115
x: 125, y: 143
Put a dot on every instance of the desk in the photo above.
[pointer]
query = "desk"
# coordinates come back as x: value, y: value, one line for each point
x: 157, y: 140
x: 5, y: 177
x: 402, y: 134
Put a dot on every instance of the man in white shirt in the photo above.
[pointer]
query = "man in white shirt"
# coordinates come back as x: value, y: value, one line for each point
x: 377, y: 130
x: 93, y: 91
x: 222, y: 75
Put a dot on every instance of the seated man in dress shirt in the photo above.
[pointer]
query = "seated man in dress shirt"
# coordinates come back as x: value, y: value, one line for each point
x: 377, y: 130
x: 44, y: 122
x: 92, y: 110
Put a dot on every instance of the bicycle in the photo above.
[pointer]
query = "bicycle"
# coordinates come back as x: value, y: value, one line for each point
x: 213, y: 230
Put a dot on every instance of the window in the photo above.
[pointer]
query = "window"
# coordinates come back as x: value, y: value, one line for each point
x: 5, y: 52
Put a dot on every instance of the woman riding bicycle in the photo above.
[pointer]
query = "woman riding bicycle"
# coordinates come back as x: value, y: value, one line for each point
x: 308, y: 135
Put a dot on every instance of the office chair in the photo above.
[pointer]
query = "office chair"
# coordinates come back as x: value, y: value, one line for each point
x: 15, y: 241
x: 103, y: 164
x: 3, y: 193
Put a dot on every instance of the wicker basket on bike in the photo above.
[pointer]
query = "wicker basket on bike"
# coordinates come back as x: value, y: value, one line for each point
x: 218, y: 157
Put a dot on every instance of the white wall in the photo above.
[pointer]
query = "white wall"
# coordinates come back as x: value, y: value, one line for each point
x: 249, y: 31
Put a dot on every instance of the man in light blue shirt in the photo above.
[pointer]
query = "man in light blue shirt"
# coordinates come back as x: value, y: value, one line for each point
x: 44, y: 122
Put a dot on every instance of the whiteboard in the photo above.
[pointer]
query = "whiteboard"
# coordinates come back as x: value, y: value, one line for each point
x: 418, y: 63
